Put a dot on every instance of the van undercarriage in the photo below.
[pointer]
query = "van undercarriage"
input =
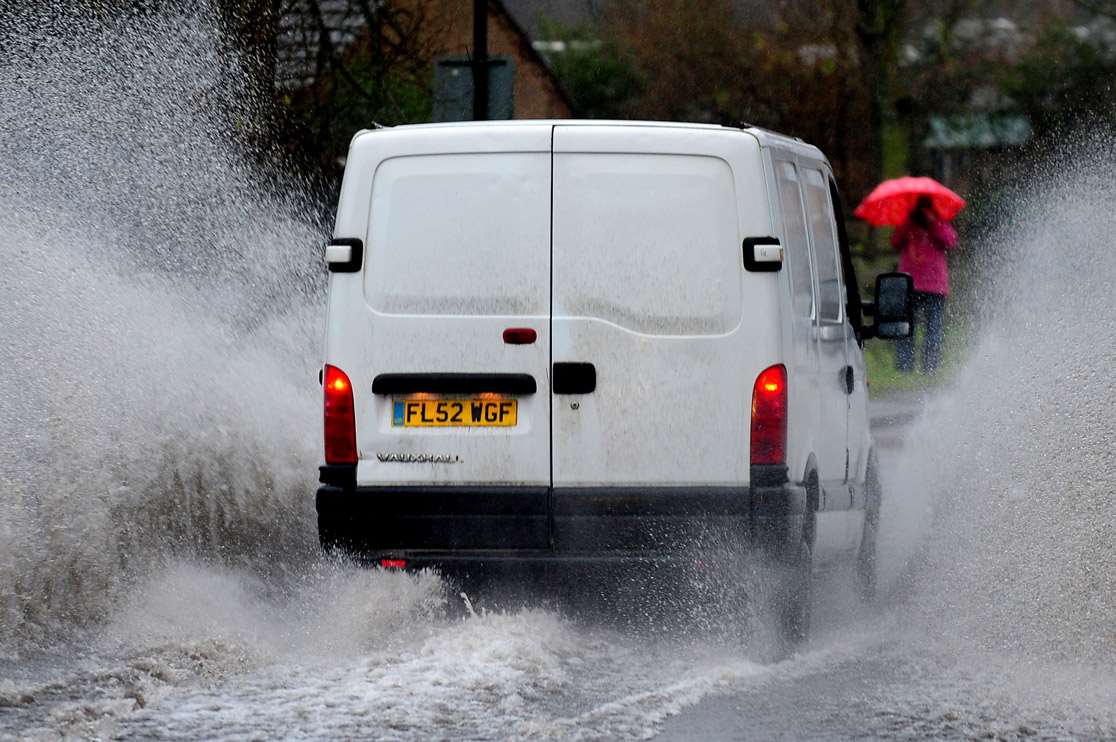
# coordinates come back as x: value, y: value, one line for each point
x: 460, y: 525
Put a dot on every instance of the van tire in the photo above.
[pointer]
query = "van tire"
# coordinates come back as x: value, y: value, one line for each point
x: 795, y: 596
x: 866, y: 566
x: 796, y: 601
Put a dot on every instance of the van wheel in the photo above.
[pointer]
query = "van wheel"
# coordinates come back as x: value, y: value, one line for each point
x: 866, y: 567
x: 796, y: 603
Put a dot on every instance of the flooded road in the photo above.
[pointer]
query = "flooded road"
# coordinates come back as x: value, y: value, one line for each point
x: 899, y: 690
x: 899, y: 672
x: 333, y: 652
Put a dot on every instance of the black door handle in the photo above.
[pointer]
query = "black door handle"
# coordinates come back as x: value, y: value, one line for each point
x: 574, y: 378
x: 849, y: 378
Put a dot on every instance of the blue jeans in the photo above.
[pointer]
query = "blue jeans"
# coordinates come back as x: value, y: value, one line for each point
x: 928, y: 309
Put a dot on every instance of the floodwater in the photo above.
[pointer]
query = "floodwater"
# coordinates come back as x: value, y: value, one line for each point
x: 159, y: 429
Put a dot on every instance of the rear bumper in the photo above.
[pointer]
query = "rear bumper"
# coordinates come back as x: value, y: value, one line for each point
x: 461, y: 525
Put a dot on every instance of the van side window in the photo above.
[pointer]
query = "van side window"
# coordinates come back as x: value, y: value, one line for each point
x: 852, y: 288
x: 794, y: 226
x: 824, y: 235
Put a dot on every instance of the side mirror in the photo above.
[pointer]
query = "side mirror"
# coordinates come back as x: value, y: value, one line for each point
x: 894, y: 306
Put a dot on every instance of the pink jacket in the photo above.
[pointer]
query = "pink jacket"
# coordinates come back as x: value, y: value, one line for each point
x: 923, y: 254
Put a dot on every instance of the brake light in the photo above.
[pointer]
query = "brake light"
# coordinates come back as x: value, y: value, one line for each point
x: 340, y: 418
x: 769, y: 416
x: 393, y: 563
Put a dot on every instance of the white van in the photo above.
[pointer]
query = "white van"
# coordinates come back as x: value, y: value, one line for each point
x: 574, y: 340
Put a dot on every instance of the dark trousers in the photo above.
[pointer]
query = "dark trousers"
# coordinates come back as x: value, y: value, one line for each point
x: 928, y: 309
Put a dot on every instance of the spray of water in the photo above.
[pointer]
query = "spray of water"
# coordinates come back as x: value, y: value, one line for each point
x: 159, y: 318
x: 1005, y: 488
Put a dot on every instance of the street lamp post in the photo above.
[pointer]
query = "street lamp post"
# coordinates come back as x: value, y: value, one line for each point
x: 480, y: 60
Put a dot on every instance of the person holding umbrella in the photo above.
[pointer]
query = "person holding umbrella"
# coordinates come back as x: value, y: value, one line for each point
x: 920, y: 208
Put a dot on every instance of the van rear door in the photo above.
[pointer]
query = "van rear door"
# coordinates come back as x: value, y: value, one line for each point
x: 458, y: 253
x: 653, y: 366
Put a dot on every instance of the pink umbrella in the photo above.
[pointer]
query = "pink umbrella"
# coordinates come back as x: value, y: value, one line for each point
x: 891, y: 202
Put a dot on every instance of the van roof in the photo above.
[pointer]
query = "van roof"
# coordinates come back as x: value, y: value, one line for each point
x: 766, y: 137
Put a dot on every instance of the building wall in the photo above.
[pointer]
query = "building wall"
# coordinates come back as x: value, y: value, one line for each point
x: 536, y: 93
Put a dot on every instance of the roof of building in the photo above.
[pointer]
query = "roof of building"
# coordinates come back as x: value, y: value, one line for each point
x: 530, y: 52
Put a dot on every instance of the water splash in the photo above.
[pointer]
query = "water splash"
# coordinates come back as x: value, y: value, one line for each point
x: 160, y: 317
x: 1014, y: 465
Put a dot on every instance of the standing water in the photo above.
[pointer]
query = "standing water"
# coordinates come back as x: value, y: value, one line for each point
x: 160, y: 318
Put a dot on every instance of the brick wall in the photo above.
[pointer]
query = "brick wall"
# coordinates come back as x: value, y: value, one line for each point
x: 537, y: 95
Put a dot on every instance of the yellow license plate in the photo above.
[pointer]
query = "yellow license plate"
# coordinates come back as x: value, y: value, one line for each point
x: 448, y: 413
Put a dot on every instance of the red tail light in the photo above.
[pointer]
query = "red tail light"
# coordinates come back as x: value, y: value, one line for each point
x: 769, y: 416
x: 393, y: 563
x: 340, y: 418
